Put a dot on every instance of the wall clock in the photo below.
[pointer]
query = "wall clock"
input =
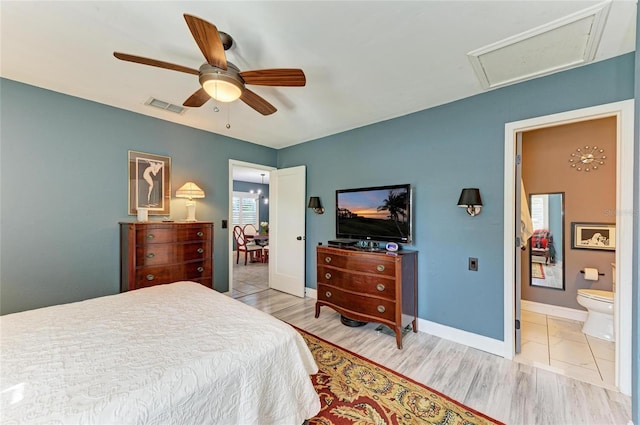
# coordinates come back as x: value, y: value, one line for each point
x: 587, y: 158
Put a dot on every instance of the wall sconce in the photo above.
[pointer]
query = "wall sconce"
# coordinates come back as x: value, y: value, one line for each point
x: 190, y: 190
x: 315, y: 205
x: 470, y: 198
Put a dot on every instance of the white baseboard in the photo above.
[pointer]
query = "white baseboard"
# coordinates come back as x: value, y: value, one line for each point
x: 311, y: 293
x: 479, y: 342
x: 554, y: 310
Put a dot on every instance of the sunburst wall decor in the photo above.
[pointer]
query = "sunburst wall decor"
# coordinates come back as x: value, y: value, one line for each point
x: 587, y: 158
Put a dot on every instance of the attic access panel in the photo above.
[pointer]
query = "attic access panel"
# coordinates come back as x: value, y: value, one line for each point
x: 564, y: 43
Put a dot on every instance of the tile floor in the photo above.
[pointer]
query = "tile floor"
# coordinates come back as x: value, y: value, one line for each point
x: 559, y: 345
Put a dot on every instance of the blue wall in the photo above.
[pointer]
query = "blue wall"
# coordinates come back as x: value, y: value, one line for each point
x: 64, y: 189
x: 439, y: 151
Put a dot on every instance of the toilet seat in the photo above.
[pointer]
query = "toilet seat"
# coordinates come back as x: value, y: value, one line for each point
x: 597, y: 294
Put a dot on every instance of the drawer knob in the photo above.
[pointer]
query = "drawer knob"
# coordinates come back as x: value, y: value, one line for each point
x: 380, y: 287
x: 151, y: 255
x: 150, y: 277
x: 381, y: 309
x: 327, y: 259
x: 150, y: 236
x: 201, y: 234
x: 380, y: 267
x: 200, y: 269
x: 327, y: 276
x: 200, y: 250
x: 328, y: 294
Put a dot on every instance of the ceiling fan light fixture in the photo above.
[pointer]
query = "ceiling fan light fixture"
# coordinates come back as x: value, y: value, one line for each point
x: 221, y: 87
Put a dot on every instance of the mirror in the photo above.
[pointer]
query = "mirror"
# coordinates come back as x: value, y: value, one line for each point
x: 546, y: 246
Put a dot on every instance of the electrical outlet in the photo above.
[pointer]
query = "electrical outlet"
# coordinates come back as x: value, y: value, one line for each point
x: 473, y: 264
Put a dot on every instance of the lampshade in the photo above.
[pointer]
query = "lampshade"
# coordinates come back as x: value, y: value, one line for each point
x: 189, y: 190
x: 221, y: 87
x: 315, y: 205
x: 314, y: 202
x: 470, y: 196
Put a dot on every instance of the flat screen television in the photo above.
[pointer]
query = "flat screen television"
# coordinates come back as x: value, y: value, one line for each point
x: 381, y: 213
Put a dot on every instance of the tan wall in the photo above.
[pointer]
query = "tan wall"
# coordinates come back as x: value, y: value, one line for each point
x: 588, y: 197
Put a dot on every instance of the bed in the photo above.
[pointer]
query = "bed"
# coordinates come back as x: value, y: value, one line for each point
x: 169, y: 354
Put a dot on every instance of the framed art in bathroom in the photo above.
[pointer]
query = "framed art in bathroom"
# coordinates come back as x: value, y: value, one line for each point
x: 149, y: 183
x: 598, y: 236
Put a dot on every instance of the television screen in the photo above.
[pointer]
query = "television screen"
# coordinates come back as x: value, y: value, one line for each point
x: 375, y: 213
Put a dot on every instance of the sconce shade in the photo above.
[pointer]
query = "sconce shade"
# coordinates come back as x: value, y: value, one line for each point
x: 471, y: 200
x: 189, y: 190
x: 315, y: 205
x: 314, y: 202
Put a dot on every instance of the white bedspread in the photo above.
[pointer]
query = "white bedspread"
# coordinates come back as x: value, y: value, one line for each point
x: 170, y: 354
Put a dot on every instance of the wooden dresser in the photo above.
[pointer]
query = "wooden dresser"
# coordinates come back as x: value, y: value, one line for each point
x: 153, y: 253
x: 369, y: 286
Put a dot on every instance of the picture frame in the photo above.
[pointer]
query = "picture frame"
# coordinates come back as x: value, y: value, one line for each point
x: 149, y: 183
x: 597, y: 236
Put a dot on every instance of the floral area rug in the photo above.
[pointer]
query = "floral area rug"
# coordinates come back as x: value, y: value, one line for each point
x: 354, y: 390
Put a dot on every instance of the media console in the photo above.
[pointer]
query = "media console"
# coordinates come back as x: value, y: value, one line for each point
x: 369, y: 286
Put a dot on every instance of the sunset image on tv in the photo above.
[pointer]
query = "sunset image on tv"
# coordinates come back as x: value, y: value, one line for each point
x: 373, y: 213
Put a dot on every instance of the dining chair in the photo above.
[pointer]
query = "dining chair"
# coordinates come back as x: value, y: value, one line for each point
x: 242, y: 246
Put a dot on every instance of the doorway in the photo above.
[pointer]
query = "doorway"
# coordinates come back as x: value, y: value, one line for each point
x: 248, y: 204
x: 623, y: 111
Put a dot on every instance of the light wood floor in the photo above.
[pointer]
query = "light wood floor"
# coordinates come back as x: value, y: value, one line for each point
x: 511, y: 392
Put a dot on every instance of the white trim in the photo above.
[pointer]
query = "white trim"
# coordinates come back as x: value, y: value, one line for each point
x: 490, y: 345
x: 554, y: 310
x: 624, y: 111
x: 311, y: 293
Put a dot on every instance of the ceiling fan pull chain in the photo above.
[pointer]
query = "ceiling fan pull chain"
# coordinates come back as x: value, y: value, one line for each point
x: 228, y: 115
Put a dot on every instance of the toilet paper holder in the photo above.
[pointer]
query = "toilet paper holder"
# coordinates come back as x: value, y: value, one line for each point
x: 599, y: 274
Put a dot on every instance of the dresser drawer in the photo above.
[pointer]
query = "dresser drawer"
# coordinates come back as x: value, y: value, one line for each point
x: 380, y: 286
x: 156, y: 254
x: 378, y: 264
x: 167, y: 274
x: 181, y: 233
x: 370, y: 306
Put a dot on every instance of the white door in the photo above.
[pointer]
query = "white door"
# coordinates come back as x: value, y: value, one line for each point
x: 287, y: 211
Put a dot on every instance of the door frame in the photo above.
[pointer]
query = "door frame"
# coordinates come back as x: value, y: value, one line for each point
x: 624, y: 111
x: 236, y: 163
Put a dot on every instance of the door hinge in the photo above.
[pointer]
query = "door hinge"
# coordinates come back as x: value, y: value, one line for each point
x: 518, y: 244
x: 518, y: 159
x: 517, y: 324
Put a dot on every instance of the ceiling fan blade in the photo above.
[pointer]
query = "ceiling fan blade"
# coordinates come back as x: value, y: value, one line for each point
x: 208, y: 40
x: 257, y: 102
x: 153, y: 62
x: 197, y: 99
x: 289, y: 77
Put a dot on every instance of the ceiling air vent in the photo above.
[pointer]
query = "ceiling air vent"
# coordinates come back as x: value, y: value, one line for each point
x: 156, y: 103
x: 564, y: 43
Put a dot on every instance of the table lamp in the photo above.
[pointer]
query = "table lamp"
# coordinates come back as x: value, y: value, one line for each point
x: 190, y: 190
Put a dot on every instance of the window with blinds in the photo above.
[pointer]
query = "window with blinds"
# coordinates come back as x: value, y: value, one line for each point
x: 244, y: 209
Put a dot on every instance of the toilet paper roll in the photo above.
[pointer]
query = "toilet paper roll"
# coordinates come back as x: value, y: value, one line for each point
x: 590, y: 273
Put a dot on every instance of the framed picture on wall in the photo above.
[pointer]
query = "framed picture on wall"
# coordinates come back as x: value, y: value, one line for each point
x: 149, y: 183
x: 599, y: 236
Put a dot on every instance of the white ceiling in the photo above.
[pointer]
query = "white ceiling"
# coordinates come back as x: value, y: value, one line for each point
x: 365, y: 61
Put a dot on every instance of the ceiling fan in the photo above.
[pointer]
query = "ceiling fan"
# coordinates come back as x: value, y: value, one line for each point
x: 220, y: 79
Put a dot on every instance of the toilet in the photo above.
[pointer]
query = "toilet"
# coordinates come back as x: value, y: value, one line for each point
x: 599, y: 305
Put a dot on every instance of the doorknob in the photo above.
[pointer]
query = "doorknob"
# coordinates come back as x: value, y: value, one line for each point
x: 300, y: 238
